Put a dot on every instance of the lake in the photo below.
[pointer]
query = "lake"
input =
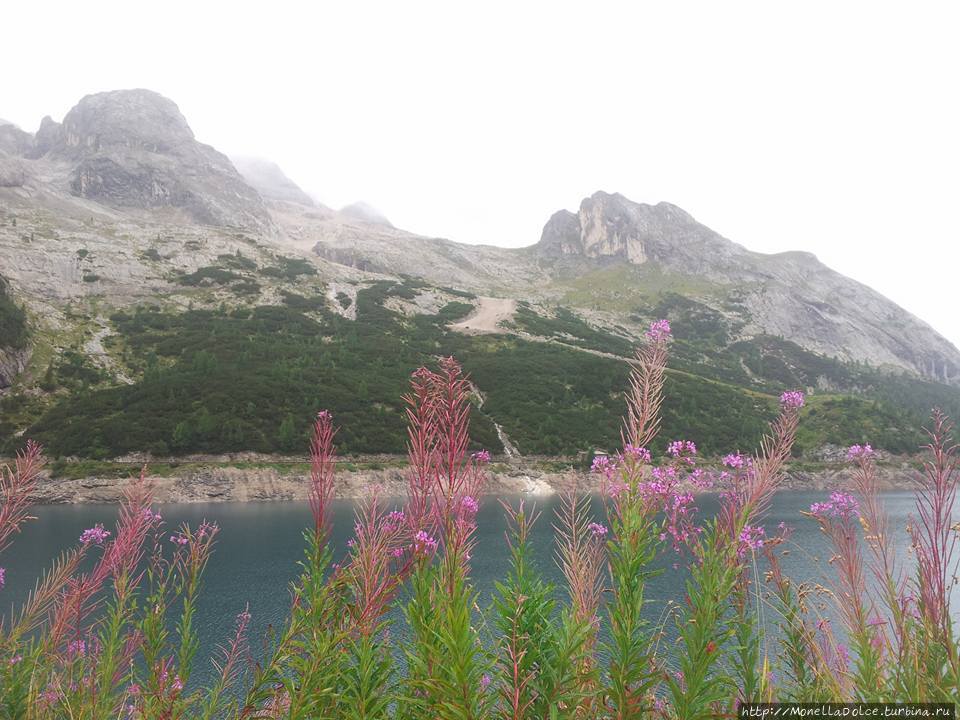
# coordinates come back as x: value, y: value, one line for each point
x: 260, y: 544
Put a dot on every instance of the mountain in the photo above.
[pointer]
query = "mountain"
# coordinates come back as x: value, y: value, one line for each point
x: 157, y: 296
x: 268, y: 179
x: 365, y: 213
x: 792, y: 295
x: 133, y: 149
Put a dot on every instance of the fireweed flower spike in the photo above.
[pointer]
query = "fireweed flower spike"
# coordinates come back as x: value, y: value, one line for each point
x: 322, y: 466
x: 597, y: 530
x: 792, y: 399
x: 645, y: 390
x: 424, y: 543
x: 17, y: 484
x: 933, y: 540
x: 856, y: 452
x: 481, y: 456
x: 659, y: 331
x: 840, y: 505
x: 95, y: 535
x: 751, y: 538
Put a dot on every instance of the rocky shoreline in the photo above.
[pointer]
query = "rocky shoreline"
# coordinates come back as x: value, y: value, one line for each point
x: 235, y: 484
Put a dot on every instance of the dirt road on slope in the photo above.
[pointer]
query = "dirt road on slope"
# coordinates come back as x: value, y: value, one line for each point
x: 487, y: 316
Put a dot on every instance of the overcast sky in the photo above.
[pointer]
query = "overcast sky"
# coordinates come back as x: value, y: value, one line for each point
x: 828, y: 127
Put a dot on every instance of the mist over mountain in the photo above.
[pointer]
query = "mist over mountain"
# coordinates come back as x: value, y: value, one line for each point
x: 133, y: 256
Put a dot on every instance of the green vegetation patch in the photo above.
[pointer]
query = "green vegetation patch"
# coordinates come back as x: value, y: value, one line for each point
x: 13, y: 321
x: 568, y: 327
x: 224, y: 380
x: 289, y: 268
x: 209, y: 275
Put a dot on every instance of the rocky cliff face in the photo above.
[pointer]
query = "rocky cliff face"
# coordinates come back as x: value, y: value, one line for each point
x: 134, y: 149
x: 611, y: 226
x: 792, y: 294
x: 12, y: 363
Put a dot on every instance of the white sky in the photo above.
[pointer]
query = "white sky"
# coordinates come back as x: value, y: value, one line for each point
x: 829, y: 127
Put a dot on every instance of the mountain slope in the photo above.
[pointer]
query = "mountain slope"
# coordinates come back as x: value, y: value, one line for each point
x: 163, y: 301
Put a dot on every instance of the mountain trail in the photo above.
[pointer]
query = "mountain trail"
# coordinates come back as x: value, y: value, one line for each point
x: 487, y: 316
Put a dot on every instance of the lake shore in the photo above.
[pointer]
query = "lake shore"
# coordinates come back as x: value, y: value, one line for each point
x: 200, y: 483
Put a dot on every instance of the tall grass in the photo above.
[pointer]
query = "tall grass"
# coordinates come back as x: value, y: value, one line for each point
x: 118, y: 640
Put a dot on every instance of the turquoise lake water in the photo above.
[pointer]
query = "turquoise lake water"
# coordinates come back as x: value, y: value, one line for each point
x: 260, y: 544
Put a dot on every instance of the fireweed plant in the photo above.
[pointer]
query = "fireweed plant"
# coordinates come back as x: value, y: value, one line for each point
x: 108, y: 631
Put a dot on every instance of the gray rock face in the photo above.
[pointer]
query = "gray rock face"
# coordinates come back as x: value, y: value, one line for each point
x: 611, y: 226
x: 792, y: 294
x: 270, y: 181
x: 562, y: 235
x: 133, y: 148
x: 13, y: 140
x: 12, y: 363
x: 46, y: 137
x: 13, y: 173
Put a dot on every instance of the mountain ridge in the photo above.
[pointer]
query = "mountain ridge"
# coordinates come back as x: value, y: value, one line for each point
x: 119, y: 212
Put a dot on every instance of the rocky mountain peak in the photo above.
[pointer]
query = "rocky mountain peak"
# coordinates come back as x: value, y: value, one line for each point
x: 270, y: 181
x: 46, y: 137
x: 134, y: 149
x: 610, y: 225
x: 124, y: 119
x: 13, y: 140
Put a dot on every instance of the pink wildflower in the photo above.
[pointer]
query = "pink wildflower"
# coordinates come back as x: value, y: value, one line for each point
x: 151, y: 516
x: 855, y: 452
x: 615, y: 488
x: 682, y: 448
x: 840, y: 505
x: 179, y: 539
x: 701, y: 480
x: 485, y: 681
x: 637, y: 453
x: 751, y: 538
x: 600, y: 464
x: 424, y: 543
x: 597, y: 530
x: 735, y: 461
x: 469, y: 505
x: 3, y: 577
x: 77, y: 648
x: 659, y: 330
x: 792, y: 399
x: 481, y: 456
x: 394, y: 521
x: 95, y: 535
